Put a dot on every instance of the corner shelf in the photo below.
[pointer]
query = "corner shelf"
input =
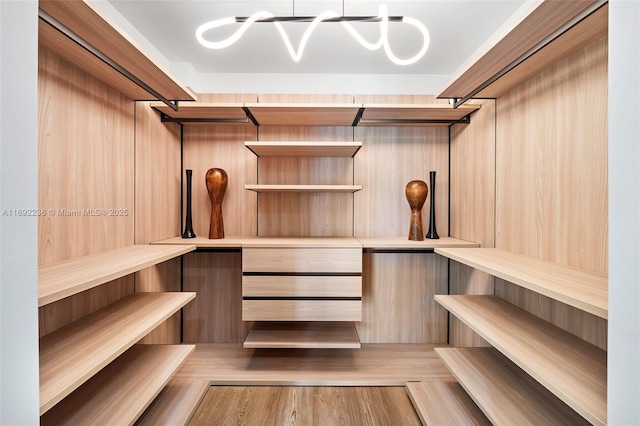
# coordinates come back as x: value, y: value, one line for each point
x: 123, y: 389
x: 73, y: 354
x: 345, y: 189
x: 304, y: 335
x: 584, y: 290
x: 62, y: 279
x: 404, y: 244
x: 304, y: 149
x: 573, y: 370
x: 79, y: 32
x: 204, y: 242
x: 505, y: 393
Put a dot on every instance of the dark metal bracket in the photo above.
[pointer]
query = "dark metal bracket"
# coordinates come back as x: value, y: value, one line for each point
x: 104, y: 58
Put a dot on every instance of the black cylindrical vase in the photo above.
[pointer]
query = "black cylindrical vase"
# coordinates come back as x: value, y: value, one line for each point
x: 432, y: 233
x: 188, y: 227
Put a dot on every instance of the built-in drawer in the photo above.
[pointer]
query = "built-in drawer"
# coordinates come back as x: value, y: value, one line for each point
x: 301, y: 310
x: 302, y: 260
x: 301, y: 286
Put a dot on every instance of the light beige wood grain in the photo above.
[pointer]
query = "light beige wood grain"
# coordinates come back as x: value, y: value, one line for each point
x: 318, y: 260
x: 301, y: 286
x: 175, y: 404
x: 202, y: 110
x: 122, y: 391
x: 304, y: 188
x: 371, y: 365
x: 215, y: 316
x: 403, y: 243
x: 301, y: 310
x: 305, y: 98
x: 302, y: 242
x: 303, y: 114
x: 221, y: 146
x: 227, y: 98
x: 302, y: 335
x: 62, y: 279
x: 397, y: 298
x: 304, y: 148
x: 84, y: 18
x: 444, y: 403
x: 377, y: 99
x: 576, y: 287
x: 414, y: 112
x: 389, y: 159
x: 577, y: 37
x: 551, y: 170
x: 503, y: 391
x: 205, y: 242
x: 71, y: 355
x: 573, y: 370
x: 532, y: 25
x: 81, y: 169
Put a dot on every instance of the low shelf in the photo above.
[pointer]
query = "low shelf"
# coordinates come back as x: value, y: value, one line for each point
x: 403, y: 243
x: 571, y: 368
x: 303, y: 335
x: 584, y: 290
x: 73, y: 354
x: 503, y: 391
x: 204, y: 242
x: 123, y: 389
x: 62, y: 279
x: 304, y: 188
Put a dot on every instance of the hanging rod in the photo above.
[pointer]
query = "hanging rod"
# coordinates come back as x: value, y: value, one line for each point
x: 95, y: 52
x: 535, y: 49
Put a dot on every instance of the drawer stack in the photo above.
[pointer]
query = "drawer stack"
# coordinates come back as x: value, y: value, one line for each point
x: 302, y: 292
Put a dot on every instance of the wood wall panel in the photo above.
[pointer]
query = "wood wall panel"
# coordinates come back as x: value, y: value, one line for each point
x: 157, y: 173
x: 215, y: 315
x: 551, y: 175
x: 472, y: 214
x: 397, y: 298
x: 85, y: 161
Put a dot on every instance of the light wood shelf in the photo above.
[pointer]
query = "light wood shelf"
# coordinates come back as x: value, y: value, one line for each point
x: 87, y: 21
x: 176, y: 403
x: 62, y: 279
x: 532, y: 27
x: 302, y: 114
x: 302, y: 242
x: 122, y: 390
x: 505, y: 393
x: 302, y: 335
x: 571, y: 368
x: 73, y: 354
x: 346, y: 189
x: 584, y: 290
x: 414, y: 115
x: 403, y: 243
x: 204, y: 242
x: 304, y: 149
x: 204, y: 112
x: 444, y: 404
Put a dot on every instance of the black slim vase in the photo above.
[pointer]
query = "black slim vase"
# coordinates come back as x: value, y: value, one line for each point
x: 432, y: 233
x: 188, y: 227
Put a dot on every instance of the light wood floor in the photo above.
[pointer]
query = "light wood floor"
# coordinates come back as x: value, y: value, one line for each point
x: 305, y: 405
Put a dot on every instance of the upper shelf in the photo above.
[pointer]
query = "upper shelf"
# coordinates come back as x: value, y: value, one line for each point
x: 79, y: 32
x: 304, y: 149
x: 542, y: 35
x: 298, y: 114
x: 62, y: 279
x: 576, y: 287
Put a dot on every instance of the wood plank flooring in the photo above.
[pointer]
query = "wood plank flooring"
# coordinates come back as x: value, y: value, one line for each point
x: 305, y: 405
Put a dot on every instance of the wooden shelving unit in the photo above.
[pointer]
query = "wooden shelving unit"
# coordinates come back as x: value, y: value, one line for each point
x: 304, y: 335
x: 344, y: 189
x: 444, y: 403
x: 73, y: 354
x: 83, y: 20
x: 554, y: 29
x: 576, y: 287
x: 123, y: 389
x: 304, y: 149
x: 574, y: 370
x: 62, y: 279
x: 512, y: 397
x: 403, y: 243
x: 415, y: 115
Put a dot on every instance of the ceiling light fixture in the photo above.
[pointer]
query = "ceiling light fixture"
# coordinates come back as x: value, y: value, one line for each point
x: 383, y: 19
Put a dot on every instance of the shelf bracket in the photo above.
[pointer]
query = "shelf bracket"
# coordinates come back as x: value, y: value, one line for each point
x: 539, y: 46
x: 95, y: 52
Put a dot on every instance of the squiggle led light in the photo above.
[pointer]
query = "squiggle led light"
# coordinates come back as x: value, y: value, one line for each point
x: 296, y: 55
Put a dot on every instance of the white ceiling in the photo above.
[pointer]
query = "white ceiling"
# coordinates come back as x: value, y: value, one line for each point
x: 457, y: 28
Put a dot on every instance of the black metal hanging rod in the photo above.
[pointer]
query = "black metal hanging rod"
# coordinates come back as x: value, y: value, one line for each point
x: 311, y: 18
x: 104, y: 58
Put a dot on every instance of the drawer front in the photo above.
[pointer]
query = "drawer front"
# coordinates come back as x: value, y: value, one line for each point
x: 301, y: 286
x: 302, y: 260
x: 301, y: 310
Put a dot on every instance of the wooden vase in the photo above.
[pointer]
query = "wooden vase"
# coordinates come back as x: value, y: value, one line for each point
x: 216, y: 180
x: 416, y: 192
